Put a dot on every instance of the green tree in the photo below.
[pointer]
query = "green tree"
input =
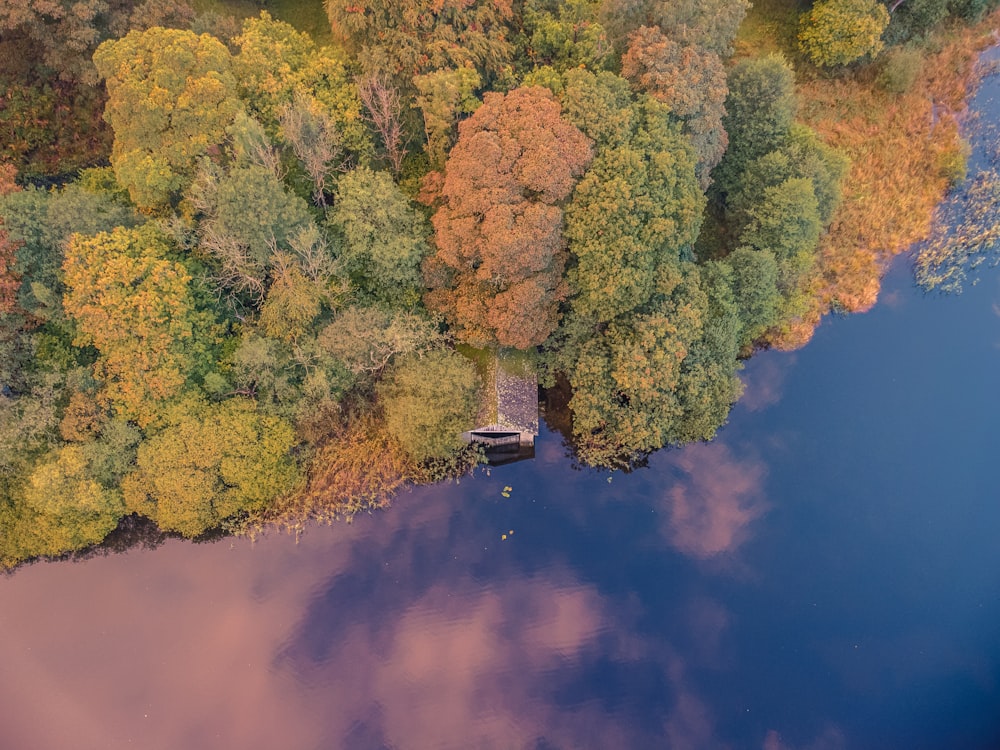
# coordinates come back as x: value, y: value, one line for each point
x: 40, y: 222
x: 805, y: 156
x: 637, y: 209
x: 70, y: 509
x: 367, y: 339
x: 385, y: 238
x: 914, y: 18
x: 139, y: 307
x: 66, y: 32
x: 293, y: 302
x: 210, y: 463
x: 248, y: 215
x: 496, y: 274
x: 10, y: 280
x: 171, y: 96
x: 601, y: 105
x: 444, y: 96
x: 760, y: 109
x: 838, y: 32
x: 277, y: 64
x: 659, y: 377
x: 786, y: 222
x: 28, y: 420
x: 708, y: 386
x: 567, y: 36
x: 755, y: 289
x: 709, y: 24
x: 429, y: 401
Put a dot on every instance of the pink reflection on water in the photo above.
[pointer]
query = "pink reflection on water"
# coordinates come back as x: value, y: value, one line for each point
x: 830, y: 738
x: 187, y: 647
x: 460, y: 668
x: 382, y: 633
x: 764, y: 379
x: 710, y: 509
x: 163, y: 652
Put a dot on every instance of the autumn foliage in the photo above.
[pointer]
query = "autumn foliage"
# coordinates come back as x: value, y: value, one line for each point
x: 9, y: 279
x: 688, y: 79
x: 134, y: 303
x: 899, y: 147
x: 497, y: 275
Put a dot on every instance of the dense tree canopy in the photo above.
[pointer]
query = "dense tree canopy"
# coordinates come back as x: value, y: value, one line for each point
x: 566, y: 35
x: 384, y: 238
x: 637, y: 209
x: 73, y: 509
x: 710, y: 24
x: 688, y: 79
x: 211, y: 462
x: 249, y: 295
x: 444, y: 96
x: 496, y: 274
x: 68, y: 31
x: 171, y: 95
x: 403, y: 38
x: 657, y: 377
x: 136, y: 305
x: 760, y: 108
x: 276, y: 64
x: 39, y: 222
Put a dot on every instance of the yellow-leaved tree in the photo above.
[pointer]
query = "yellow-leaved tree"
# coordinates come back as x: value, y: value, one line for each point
x: 137, y: 306
x: 838, y: 32
x: 209, y: 463
x: 171, y: 95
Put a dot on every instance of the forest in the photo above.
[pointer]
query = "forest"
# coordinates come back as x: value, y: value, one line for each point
x: 241, y: 268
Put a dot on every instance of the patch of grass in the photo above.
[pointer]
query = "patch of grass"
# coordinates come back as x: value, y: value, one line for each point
x: 305, y: 15
x: 485, y: 361
x: 517, y: 362
x: 770, y: 26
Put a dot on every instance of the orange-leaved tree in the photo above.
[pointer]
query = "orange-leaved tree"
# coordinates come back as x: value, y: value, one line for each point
x: 496, y: 274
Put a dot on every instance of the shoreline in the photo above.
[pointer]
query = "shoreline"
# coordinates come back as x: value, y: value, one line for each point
x: 900, y: 155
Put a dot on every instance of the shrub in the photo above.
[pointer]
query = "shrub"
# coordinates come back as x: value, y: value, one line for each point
x: 900, y: 70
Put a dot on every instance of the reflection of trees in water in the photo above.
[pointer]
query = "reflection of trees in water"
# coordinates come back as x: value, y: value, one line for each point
x: 559, y: 418
x: 133, y: 532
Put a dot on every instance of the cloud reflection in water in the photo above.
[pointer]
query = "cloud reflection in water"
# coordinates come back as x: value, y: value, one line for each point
x: 418, y: 628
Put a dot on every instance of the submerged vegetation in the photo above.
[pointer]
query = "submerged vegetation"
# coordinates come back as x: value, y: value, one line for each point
x: 240, y: 280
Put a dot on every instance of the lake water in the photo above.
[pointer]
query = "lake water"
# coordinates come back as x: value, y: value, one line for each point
x: 826, y: 574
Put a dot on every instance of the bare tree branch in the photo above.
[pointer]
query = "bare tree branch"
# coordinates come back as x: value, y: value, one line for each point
x: 384, y: 108
x: 315, y: 139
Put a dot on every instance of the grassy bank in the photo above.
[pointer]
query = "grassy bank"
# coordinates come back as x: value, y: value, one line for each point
x: 905, y: 148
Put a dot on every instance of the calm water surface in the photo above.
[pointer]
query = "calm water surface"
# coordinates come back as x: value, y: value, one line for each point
x: 824, y: 575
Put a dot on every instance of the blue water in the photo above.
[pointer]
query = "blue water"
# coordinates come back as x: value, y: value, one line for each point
x: 826, y: 574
